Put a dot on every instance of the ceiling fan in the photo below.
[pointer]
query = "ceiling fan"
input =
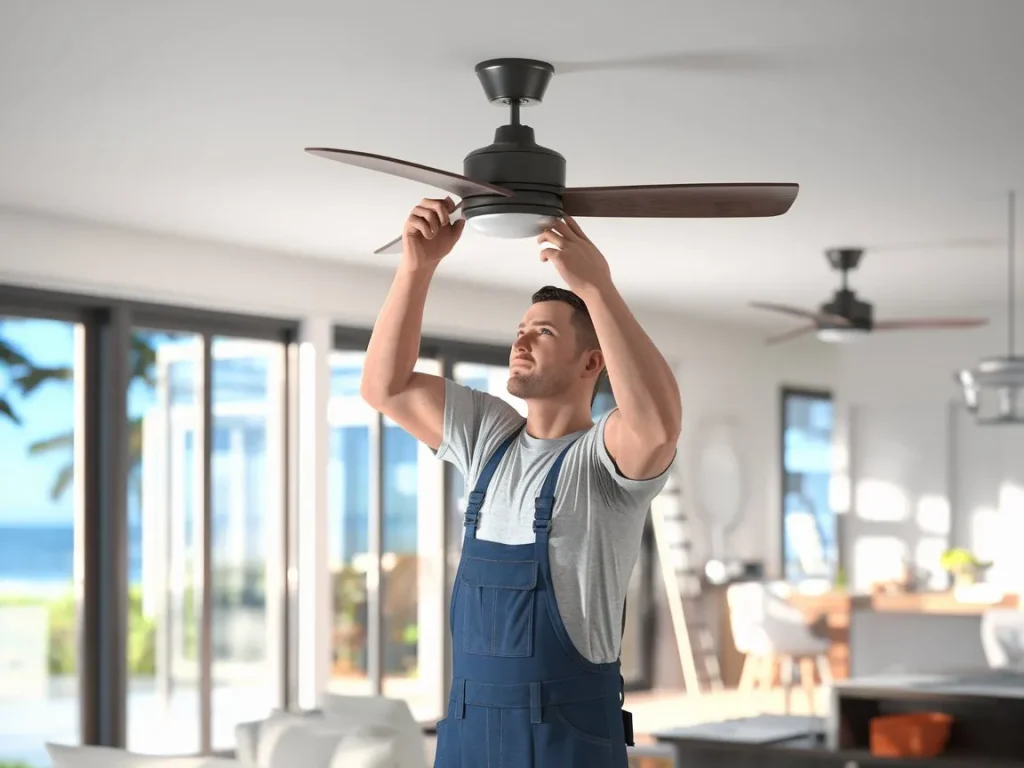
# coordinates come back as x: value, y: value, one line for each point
x: 846, y: 317
x: 515, y: 188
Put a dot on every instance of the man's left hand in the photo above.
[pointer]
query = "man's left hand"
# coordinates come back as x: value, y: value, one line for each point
x: 578, y: 261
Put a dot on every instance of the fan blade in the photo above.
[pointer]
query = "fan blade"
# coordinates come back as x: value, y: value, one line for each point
x: 395, y: 246
x: 452, y: 183
x: 701, y: 62
x: 963, y: 243
x: 681, y: 201
x: 930, y: 323
x: 822, y: 317
x: 788, y: 335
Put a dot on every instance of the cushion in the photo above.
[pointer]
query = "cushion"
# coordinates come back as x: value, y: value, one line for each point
x: 368, y: 747
x: 65, y: 756
x: 305, y: 739
x: 380, y: 710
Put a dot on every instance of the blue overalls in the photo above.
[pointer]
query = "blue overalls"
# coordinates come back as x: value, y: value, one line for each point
x: 522, y: 695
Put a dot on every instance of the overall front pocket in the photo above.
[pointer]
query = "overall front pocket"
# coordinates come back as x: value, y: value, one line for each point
x: 498, y: 599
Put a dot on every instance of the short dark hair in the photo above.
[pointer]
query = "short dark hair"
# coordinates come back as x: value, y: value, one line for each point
x: 585, y: 331
x: 581, y: 317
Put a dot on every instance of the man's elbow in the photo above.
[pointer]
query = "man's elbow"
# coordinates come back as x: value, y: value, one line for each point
x: 374, y: 393
x: 667, y: 427
x: 664, y: 437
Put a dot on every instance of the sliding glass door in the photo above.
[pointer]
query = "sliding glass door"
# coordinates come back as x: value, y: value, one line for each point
x: 386, y: 526
x: 164, y: 563
x: 206, y: 418
x: 144, y: 460
x: 40, y: 535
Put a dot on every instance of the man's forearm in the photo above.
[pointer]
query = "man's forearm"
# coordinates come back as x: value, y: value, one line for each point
x: 395, y: 342
x: 646, y: 391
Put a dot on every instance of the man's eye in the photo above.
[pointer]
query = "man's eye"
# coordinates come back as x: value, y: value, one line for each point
x: 545, y: 330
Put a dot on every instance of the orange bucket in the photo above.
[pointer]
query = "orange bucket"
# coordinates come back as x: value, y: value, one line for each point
x: 918, y: 734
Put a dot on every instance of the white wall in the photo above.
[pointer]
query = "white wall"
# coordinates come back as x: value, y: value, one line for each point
x: 923, y: 475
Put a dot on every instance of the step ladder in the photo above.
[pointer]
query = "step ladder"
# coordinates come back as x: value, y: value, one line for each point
x: 698, y: 655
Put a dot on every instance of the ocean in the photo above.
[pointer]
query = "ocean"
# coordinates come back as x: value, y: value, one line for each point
x: 44, y: 555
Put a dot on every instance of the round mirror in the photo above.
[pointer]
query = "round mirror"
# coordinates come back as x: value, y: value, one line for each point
x: 720, y: 483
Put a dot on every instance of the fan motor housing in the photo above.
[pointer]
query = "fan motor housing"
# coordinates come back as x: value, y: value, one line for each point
x: 846, y: 304
x: 515, y: 161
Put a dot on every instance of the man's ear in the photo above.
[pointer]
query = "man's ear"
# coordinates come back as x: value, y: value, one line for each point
x: 595, y: 363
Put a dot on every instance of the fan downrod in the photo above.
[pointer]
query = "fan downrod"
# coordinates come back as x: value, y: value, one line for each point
x: 518, y: 82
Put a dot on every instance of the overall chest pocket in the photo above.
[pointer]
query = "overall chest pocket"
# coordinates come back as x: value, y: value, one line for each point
x: 498, y: 599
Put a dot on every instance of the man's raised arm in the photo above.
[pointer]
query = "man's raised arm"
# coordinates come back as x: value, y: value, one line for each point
x: 641, y: 434
x: 415, y: 401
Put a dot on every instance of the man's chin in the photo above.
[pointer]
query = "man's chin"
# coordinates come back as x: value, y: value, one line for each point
x: 515, y: 385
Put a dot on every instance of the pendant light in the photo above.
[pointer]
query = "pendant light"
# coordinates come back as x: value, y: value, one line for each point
x: 994, y: 389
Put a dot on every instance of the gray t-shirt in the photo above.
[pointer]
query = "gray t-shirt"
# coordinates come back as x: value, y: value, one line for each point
x: 597, y: 522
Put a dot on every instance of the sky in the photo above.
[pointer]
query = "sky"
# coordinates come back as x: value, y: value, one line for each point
x: 25, y: 480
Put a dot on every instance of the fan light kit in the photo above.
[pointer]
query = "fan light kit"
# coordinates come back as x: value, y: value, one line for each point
x: 515, y: 188
x: 846, y: 318
x: 994, y: 389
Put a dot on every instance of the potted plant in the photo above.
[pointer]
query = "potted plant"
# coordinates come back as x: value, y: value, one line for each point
x: 963, y: 566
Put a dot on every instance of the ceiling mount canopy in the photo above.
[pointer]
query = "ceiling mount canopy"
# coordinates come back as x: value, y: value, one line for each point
x: 994, y: 389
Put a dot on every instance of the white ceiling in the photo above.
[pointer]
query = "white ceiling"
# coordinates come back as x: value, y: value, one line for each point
x: 903, y: 121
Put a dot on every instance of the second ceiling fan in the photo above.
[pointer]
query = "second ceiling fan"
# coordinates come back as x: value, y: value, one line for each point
x: 846, y: 317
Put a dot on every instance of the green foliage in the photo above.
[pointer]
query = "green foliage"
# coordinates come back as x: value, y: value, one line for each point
x: 961, y: 561
x: 27, y: 377
x: 841, y: 580
x: 4, y: 764
x: 63, y: 646
x: 15, y: 362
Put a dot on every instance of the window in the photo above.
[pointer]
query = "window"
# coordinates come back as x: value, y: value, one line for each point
x: 208, y: 693
x: 143, y: 460
x: 163, y: 652
x: 386, y: 529
x: 40, y: 536
x: 809, y: 547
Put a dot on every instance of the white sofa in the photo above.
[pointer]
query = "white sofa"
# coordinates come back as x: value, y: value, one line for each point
x: 346, y: 732
x: 64, y: 756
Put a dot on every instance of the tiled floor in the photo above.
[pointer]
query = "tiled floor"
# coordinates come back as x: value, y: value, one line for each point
x: 658, y: 710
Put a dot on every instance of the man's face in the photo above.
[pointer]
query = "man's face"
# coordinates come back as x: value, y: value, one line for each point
x: 545, y: 358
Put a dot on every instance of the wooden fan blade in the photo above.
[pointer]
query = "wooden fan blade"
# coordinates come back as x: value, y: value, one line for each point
x: 788, y: 335
x: 395, y: 246
x: 681, y: 201
x: 452, y: 183
x: 806, y: 314
x: 930, y: 323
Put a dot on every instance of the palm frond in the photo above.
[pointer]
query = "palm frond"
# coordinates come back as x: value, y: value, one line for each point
x: 11, y: 355
x: 63, y: 481
x: 35, y: 377
x: 142, y: 359
x: 57, y: 442
x: 8, y: 411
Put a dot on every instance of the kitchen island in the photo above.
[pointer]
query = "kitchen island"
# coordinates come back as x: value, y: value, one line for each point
x: 899, y: 632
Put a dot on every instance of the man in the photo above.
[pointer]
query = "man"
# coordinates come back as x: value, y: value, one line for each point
x: 554, y: 523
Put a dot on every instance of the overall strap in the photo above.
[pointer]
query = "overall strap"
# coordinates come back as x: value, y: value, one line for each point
x: 476, y: 498
x: 545, y: 503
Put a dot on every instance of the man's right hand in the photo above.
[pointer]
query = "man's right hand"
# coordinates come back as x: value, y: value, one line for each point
x: 428, y: 235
